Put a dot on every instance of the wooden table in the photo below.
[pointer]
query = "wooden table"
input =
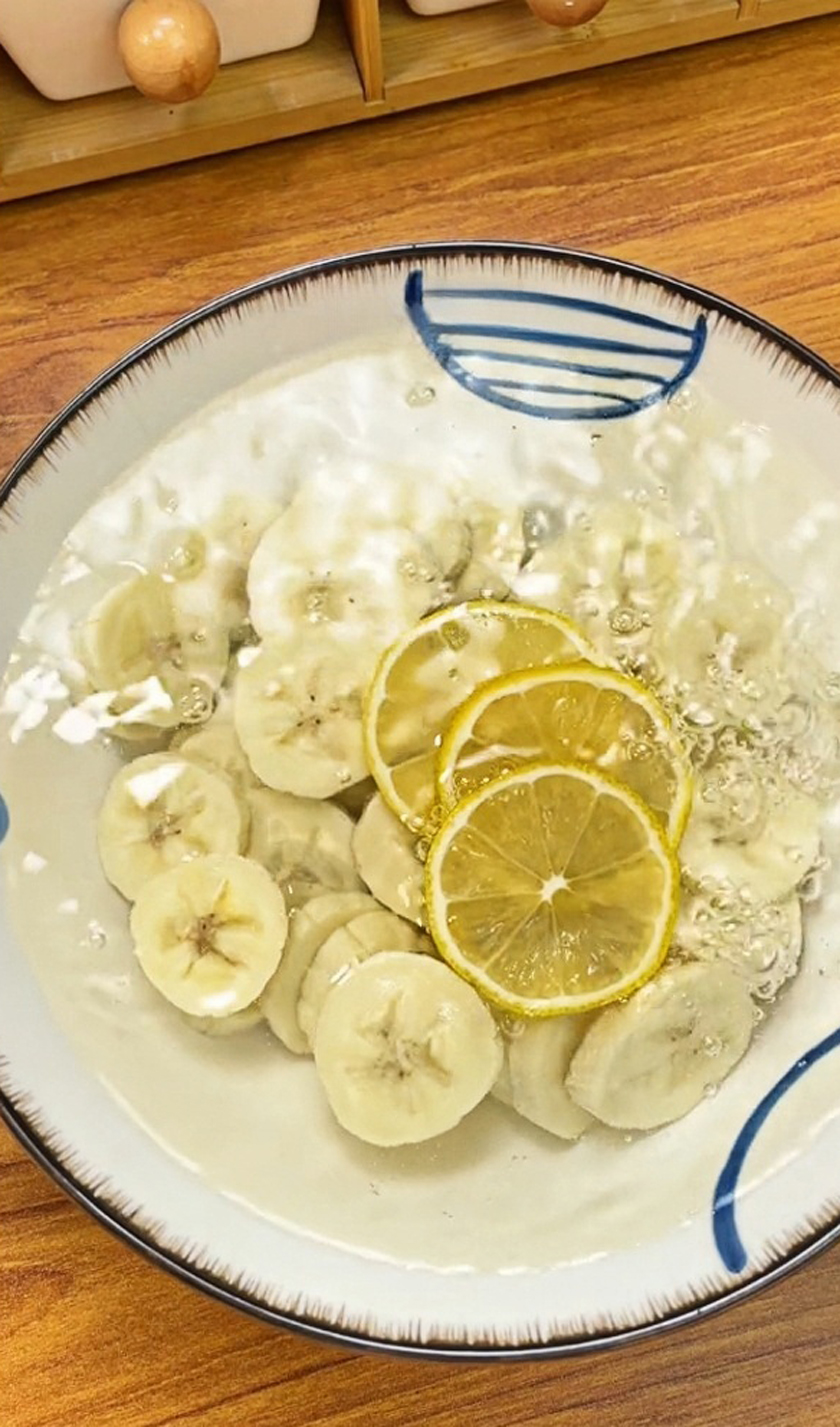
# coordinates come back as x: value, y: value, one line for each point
x: 720, y: 164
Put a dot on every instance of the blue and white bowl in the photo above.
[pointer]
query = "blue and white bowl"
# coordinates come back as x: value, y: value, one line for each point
x: 220, y: 1159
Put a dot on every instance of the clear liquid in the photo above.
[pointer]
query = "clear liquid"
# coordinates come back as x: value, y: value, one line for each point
x: 655, y: 568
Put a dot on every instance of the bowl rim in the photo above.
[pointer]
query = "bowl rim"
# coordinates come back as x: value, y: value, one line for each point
x: 16, y: 1119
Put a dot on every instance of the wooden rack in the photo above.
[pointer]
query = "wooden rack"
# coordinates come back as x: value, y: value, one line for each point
x: 367, y: 58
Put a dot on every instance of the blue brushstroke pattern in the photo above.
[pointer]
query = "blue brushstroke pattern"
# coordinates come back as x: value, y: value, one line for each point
x: 728, y: 1240
x: 547, y: 299
x: 445, y: 342
x: 483, y: 354
x: 4, y: 818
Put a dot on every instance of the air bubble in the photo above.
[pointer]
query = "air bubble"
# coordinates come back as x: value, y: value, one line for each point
x: 167, y: 499
x: 96, y: 936
x: 455, y: 636
x: 624, y: 620
x: 196, y: 705
x: 640, y: 750
x: 420, y: 396
x: 683, y: 400
x: 541, y: 523
x: 184, y: 555
x: 765, y: 990
x: 316, y: 602
x: 699, y: 716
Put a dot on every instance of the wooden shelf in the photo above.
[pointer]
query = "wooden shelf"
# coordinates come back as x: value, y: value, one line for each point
x: 479, y: 50
x: 367, y: 58
x: 45, y: 144
x: 503, y: 45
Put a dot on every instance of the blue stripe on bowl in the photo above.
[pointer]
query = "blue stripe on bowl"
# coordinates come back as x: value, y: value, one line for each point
x: 4, y: 818
x: 727, y: 1238
x: 522, y: 359
x: 612, y: 388
x: 546, y: 299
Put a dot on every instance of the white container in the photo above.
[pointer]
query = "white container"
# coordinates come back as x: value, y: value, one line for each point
x: 445, y: 7
x: 68, y: 48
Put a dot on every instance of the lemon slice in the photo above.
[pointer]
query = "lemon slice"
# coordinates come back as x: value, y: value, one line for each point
x: 431, y: 669
x: 582, y: 714
x: 552, y: 890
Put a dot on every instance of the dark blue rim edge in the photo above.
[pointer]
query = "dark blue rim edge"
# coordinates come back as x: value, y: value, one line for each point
x: 18, y: 1123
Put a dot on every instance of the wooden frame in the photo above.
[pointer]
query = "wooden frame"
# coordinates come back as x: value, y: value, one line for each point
x: 367, y: 58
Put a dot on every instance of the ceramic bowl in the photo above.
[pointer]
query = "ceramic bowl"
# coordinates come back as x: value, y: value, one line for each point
x: 219, y: 1158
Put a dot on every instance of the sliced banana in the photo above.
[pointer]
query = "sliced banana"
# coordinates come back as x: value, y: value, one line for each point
x: 610, y: 570
x: 763, y: 944
x: 653, y: 1058
x: 404, y: 1049
x: 720, y: 644
x: 210, y: 566
x: 493, y: 549
x: 310, y: 926
x: 336, y: 566
x: 766, y: 866
x: 303, y: 842
x: 222, y: 1026
x: 217, y: 746
x: 538, y: 1056
x: 348, y: 946
x: 210, y: 933
x: 161, y: 810
x: 160, y: 667
x: 385, y: 855
x: 298, y: 713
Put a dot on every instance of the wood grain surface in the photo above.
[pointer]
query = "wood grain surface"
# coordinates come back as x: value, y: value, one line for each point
x: 720, y: 164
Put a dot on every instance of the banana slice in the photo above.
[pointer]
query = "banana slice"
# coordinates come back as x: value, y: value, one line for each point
x: 385, y: 853
x: 222, y: 1026
x: 405, y: 1049
x: 303, y: 842
x: 763, y: 944
x: 309, y: 929
x: 720, y: 645
x: 161, y: 810
x: 210, y: 933
x: 765, y: 867
x: 348, y: 946
x: 611, y: 571
x: 216, y: 746
x: 340, y: 569
x: 538, y: 1056
x: 493, y: 548
x: 298, y: 713
x: 210, y: 566
x: 651, y: 1059
x: 160, y: 667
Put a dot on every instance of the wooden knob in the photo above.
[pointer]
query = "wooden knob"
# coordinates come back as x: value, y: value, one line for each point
x: 169, y: 48
x: 566, y: 13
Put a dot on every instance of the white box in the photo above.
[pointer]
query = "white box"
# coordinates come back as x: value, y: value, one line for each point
x: 445, y: 7
x: 68, y: 48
